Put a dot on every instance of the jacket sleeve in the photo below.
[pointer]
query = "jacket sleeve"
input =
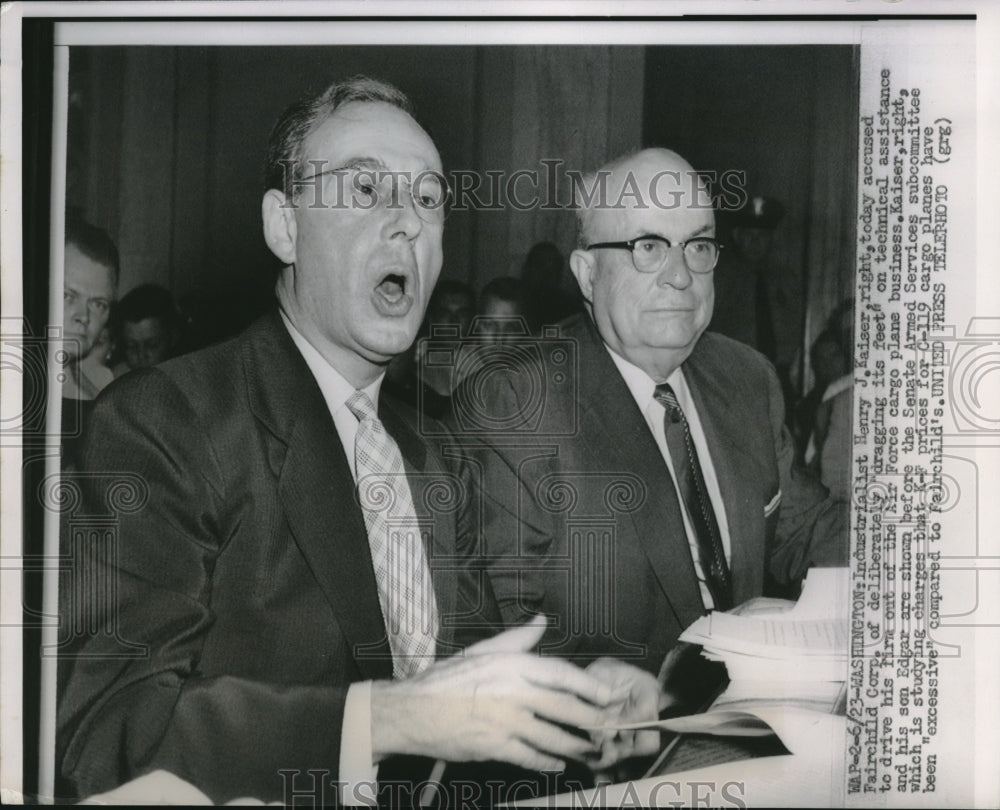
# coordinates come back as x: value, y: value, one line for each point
x: 132, y: 698
x: 811, y: 526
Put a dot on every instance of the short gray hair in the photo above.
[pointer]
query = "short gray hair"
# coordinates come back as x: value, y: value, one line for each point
x: 284, y: 148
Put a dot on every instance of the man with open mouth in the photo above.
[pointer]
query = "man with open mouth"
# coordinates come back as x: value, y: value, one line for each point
x: 285, y: 595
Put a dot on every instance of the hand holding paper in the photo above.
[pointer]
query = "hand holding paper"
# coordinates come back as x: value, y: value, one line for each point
x: 641, y: 705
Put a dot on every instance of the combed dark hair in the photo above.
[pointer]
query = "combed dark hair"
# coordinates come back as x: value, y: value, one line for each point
x: 93, y: 243
x: 284, y: 147
x: 147, y: 301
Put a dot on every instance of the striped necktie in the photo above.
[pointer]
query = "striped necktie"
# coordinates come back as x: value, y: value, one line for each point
x: 402, y: 574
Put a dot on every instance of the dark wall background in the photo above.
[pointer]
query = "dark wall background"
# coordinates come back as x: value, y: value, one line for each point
x: 177, y: 137
x: 788, y: 117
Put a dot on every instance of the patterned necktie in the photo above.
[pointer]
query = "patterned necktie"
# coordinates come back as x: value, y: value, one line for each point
x: 405, y: 591
x: 691, y: 484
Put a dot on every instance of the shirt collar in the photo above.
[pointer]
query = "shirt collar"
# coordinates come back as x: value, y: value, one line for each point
x: 641, y: 385
x: 838, y: 385
x: 336, y: 389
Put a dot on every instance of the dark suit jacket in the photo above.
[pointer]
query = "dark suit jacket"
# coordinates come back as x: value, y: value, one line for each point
x: 580, y: 517
x: 246, y: 574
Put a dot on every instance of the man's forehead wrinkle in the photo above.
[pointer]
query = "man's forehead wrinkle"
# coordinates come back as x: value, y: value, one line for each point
x: 363, y: 162
x: 404, y: 133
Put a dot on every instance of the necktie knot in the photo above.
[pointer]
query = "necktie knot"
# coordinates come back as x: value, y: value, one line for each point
x: 361, y: 405
x: 665, y: 395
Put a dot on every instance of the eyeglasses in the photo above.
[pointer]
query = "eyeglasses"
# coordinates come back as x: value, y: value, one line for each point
x: 369, y: 189
x: 649, y: 253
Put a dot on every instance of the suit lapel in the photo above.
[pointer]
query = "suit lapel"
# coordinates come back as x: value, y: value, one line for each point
x: 618, y: 436
x: 317, y: 490
x: 735, y: 468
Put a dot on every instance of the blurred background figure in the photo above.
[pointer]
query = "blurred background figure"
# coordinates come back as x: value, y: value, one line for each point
x: 89, y: 287
x: 546, y: 296
x: 752, y: 302
x: 829, y: 448
x: 429, y: 386
x: 829, y: 363
x: 146, y: 328
x: 502, y: 311
x: 453, y: 303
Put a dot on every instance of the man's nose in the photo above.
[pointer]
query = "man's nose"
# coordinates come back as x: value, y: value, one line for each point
x: 147, y: 355
x: 403, y: 217
x: 675, y: 271
x: 80, y: 312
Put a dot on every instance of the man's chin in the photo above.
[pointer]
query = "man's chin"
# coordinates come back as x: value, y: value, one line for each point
x: 675, y: 339
x: 388, y: 344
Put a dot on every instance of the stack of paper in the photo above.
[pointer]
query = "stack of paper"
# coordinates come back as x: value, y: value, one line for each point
x: 806, y: 643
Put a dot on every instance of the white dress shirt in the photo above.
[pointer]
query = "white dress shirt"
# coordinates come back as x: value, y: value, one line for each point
x: 356, y: 770
x: 642, y: 386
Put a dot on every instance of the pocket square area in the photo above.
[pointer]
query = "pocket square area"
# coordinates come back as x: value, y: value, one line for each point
x: 773, y: 504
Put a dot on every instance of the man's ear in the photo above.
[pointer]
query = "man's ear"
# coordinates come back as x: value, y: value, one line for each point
x: 280, y: 228
x: 581, y: 262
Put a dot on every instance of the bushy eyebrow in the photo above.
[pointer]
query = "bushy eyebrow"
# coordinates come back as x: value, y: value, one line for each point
x: 703, y: 229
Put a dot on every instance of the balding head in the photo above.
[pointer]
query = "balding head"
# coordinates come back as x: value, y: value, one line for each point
x: 649, y: 179
x: 653, y: 317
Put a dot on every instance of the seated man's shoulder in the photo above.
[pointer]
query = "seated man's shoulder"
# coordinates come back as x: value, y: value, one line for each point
x: 730, y: 358
x: 202, y: 378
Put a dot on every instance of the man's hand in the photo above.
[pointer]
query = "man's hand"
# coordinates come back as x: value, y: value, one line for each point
x: 643, y: 701
x: 496, y: 701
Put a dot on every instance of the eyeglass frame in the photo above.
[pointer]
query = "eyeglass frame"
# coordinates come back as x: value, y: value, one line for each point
x: 375, y: 172
x: 630, y: 244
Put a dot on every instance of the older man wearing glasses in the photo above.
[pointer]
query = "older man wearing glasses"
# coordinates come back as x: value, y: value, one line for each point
x: 643, y: 474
